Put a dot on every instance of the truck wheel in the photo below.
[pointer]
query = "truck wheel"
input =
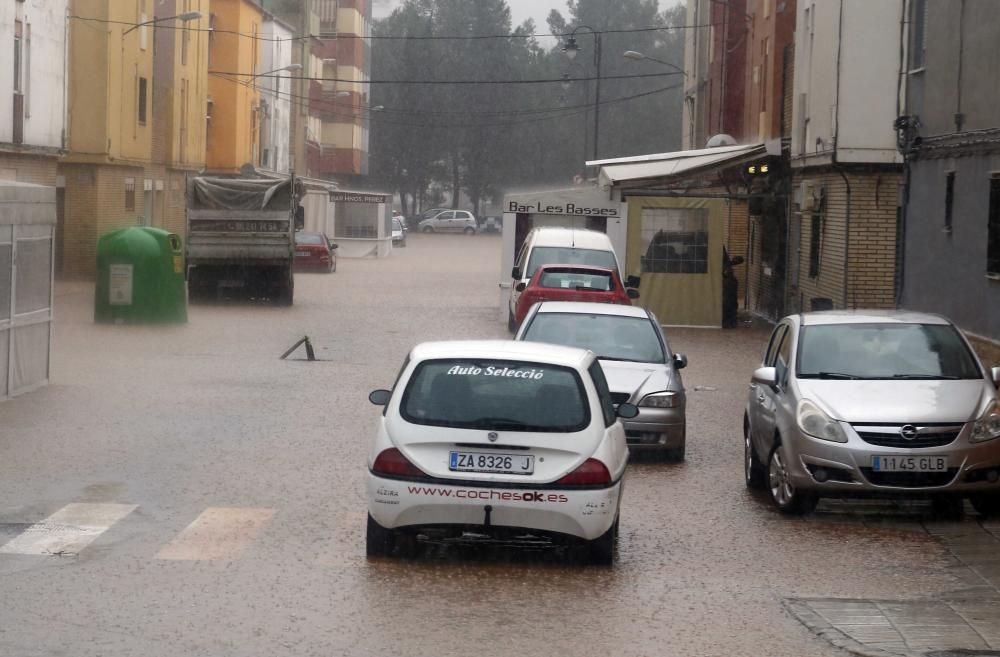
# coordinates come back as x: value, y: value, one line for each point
x: 286, y: 290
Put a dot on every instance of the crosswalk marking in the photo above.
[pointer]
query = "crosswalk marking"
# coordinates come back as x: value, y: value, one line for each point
x: 217, y: 534
x: 68, y: 530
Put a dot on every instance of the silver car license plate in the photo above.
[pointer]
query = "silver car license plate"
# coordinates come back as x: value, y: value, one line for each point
x: 520, y: 464
x: 891, y: 463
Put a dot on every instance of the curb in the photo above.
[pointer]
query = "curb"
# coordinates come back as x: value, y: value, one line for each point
x: 819, y: 626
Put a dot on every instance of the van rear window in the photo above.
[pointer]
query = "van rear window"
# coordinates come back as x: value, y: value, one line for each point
x: 566, y: 255
x: 496, y: 395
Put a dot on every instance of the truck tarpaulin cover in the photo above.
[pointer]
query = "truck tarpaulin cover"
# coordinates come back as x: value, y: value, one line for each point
x: 241, y: 193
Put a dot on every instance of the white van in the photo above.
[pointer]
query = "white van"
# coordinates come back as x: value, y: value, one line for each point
x: 561, y: 246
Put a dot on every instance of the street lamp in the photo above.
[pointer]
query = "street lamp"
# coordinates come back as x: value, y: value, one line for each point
x: 184, y: 18
x: 638, y: 56
x: 572, y: 49
x: 290, y: 67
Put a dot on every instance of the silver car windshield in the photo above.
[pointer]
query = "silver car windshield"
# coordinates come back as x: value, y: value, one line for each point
x: 611, y: 337
x: 496, y: 395
x: 884, y: 351
x: 558, y: 255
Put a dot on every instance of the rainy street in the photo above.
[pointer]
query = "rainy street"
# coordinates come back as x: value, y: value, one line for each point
x: 217, y: 496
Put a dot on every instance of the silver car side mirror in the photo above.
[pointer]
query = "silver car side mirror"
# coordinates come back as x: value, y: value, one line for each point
x: 765, y: 376
x: 996, y: 376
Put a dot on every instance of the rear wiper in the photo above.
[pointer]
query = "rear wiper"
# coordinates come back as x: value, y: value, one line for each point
x: 927, y: 377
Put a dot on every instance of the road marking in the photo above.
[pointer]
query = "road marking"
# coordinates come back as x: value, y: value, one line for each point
x: 217, y: 534
x: 68, y: 530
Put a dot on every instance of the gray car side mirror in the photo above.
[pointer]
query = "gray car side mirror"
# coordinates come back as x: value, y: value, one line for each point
x: 380, y: 397
x: 996, y: 376
x: 765, y: 376
x: 627, y: 411
x: 680, y: 361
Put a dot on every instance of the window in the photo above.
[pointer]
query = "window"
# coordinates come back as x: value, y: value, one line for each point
x: 141, y: 102
x: 211, y: 38
x: 675, y: 240
x: 772, y: 345
x: 815, y: 242
x: 949, y: 199
x: 496, y: 395
x: 615, y: 337
x: 17, y: 56
x: 603, y: 393
x: 884, y: 351
x: 27, y: 70
x: 130, y: 194
x: 993, y: 230
x: 918, y: 22
x: 567, y: 255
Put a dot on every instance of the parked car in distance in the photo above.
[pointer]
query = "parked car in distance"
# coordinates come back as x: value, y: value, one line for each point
x: 450, y: 221
x: 491, y: 224
x: 572, y: 283
x: 413, y: 221
x: 560, y: 246
x: 872, y: 402
x: 635, y: 357
x: 497, y: 442
x: 398, y: 232
x: 315, y: 252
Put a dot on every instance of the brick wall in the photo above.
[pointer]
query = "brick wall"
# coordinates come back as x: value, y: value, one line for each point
x: 871, y: 257
x: 35, y: 169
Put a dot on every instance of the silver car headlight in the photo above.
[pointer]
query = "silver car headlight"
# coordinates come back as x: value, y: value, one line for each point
x: 814, y: 422
x: 661, y: 400
x: 988, y: 426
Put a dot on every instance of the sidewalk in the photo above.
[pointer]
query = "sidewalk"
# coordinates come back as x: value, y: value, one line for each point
x: 965, y: 622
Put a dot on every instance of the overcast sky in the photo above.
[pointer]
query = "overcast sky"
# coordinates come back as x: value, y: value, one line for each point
x: 520, y: 9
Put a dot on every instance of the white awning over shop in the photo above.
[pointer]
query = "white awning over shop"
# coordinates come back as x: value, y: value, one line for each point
x: 664, y: 166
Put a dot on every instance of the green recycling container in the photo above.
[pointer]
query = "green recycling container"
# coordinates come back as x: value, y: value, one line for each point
x: 140, y: 277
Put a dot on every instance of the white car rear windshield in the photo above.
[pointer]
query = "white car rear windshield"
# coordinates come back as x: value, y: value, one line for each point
x: 566, y: 255
x: 884, y: 351
x: 496, y: 395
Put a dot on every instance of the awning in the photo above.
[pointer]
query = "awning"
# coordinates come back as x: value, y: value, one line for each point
x: 668, y: 166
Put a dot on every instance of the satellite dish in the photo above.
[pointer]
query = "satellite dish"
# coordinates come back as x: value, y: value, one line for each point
x: 720, y: 140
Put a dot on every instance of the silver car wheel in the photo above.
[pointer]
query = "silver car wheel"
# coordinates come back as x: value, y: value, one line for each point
x: 747, y: 455
x: 782, y: 491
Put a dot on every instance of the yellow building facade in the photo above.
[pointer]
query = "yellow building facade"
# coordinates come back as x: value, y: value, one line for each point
x: 234, y: 108
x: 132, y: 137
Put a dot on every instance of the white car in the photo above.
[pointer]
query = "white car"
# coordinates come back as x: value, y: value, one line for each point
x: 497, y: 442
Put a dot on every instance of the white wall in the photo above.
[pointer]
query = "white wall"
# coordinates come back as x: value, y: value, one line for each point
x: 276, y: 91
x: 853, y: 45
x: 43, y: 66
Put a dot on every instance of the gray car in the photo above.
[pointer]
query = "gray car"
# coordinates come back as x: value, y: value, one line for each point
x: 872, y: 402
x: 636, y: 360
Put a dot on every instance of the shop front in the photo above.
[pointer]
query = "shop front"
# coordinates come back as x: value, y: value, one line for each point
x: 576, y: 207
x: 362, y: 224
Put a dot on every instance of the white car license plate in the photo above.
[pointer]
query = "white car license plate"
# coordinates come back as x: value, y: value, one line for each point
x: 521, y: 464
x: 884, y: 463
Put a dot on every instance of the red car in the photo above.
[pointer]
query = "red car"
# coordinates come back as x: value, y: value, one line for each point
x: 572, y: 283
x: 314, y: 252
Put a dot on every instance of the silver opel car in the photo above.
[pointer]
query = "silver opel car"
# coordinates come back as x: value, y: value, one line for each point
x: 872, y: 402
x: 636, y: 360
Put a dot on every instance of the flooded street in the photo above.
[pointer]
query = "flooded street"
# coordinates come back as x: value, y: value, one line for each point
x: 219, y: 507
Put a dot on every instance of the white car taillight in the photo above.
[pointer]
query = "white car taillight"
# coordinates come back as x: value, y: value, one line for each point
x: 988, y: 426
x: 814, y: 422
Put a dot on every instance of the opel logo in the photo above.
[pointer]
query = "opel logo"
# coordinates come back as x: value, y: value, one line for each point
x: 908, y: 432
x: 493, y: 435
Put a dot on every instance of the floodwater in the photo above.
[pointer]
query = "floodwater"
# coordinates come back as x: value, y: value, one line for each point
x: 219, y: 505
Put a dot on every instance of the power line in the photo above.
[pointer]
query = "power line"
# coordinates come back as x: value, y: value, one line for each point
x: 637, y: 76
x: 373, y: 115
x: 393, y: 37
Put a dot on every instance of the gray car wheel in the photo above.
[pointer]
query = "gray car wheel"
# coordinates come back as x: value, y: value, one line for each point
x: 783, y: 492
x: 753, y: 469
